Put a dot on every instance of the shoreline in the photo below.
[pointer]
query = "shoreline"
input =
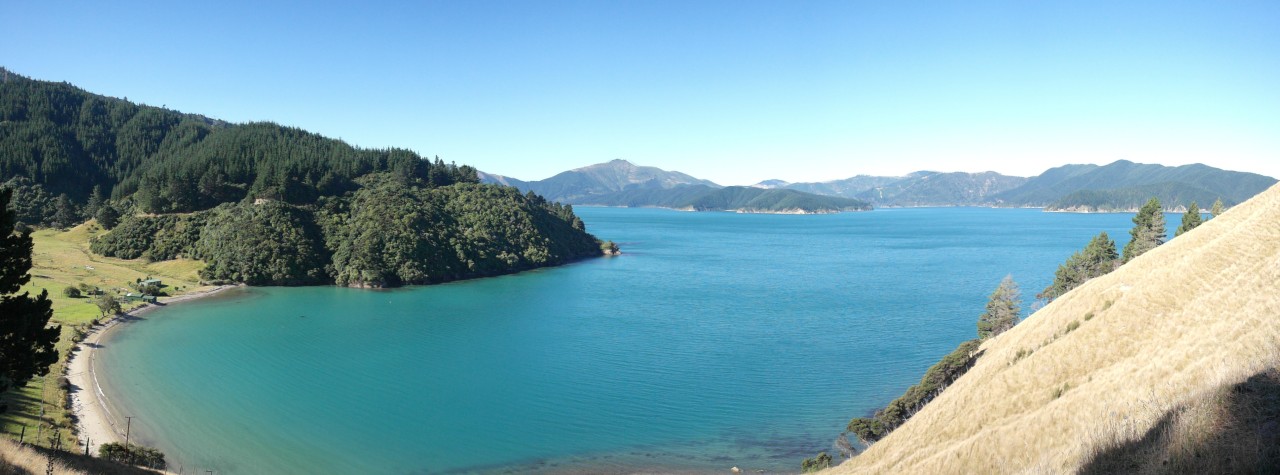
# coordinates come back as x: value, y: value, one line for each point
x: 95, y: 424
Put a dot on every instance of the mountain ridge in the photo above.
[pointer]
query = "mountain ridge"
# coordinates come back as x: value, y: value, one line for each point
x: 1121, y: 186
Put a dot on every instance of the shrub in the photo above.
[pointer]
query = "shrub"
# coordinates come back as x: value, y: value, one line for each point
x: 937, y: 378
x: 820, y: 462
x: 71, y: 292
x: 133, y: 454
x: 1073, y: 325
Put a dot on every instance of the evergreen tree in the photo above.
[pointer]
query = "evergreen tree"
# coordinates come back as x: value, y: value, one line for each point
x: 1190, y: 219
x: 1002, y: 309
x: 1217, y: 208
x: 1096, y: 259
x: 107, y: 217
x: 65, y: 214
x: 26, y: 342
x: 1148, y: 230
x: 96, y: 198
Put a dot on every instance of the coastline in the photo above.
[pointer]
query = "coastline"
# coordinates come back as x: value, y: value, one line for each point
x: 95, y: 424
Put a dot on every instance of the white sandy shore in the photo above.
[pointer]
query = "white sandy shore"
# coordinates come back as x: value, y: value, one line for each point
x: 95, y: 422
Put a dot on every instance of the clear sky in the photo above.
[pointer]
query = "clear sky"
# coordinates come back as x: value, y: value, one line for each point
x: 735, y: 92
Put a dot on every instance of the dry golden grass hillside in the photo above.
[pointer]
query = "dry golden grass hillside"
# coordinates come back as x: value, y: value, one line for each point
x: 1163, y: 365
x: 20, y: 460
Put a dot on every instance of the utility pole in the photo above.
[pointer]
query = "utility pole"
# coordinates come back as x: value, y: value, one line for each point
x: 128, y: 425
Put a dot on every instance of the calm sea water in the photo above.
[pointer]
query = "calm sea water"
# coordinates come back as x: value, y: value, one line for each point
x: 716, y: 340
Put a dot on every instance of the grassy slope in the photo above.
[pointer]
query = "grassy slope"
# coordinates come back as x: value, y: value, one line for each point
x: 1164, y: 332
x: 24, y: 460
x: 61, y: 259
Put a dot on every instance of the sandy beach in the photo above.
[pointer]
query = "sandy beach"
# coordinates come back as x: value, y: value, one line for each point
x: 95, y: 422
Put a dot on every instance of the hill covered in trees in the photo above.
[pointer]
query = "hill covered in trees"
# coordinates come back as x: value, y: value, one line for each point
x: 263, y: 203
x: 1126, y: 186
x: 621, y: 183
x: 1119, y: 186
x: 731, y: 198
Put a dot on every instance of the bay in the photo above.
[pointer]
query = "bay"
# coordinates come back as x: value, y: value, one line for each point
x: 715, y: 340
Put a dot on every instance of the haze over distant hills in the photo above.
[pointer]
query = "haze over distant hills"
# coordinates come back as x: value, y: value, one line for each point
x: 621, y: 183
x: 1119, y: 186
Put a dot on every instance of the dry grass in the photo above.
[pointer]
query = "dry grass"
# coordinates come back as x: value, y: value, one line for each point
x: 18, y: 460
x: 61, y: 259
x: 1229, y: 429
x: 1106, y: 363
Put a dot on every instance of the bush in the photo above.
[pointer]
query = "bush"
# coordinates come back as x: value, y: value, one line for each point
x: 133, y: 454
x: 822, y: 461
x: 71, y: 292
x: 937, y: 378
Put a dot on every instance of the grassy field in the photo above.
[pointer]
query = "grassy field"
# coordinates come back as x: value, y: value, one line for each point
x: 1134, y: 369
x: 61, y: 259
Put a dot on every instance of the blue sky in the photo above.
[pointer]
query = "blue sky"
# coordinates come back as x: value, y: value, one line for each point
x: 736, y: 92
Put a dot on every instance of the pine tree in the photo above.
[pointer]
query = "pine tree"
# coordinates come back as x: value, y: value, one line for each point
x: 1217, y: 208
x: 1190, y: 219
x: 26, y: 342
x: 1002, y: 309
x: 1096, y: 259
x: 1148, y: 230
x: 107, y: 216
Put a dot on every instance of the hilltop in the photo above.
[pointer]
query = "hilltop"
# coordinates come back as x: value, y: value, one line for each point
x: 622, y: 183
x: 1166, y: 364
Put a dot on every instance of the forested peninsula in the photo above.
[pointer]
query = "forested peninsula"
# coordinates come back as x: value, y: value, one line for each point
x: 262, y: 203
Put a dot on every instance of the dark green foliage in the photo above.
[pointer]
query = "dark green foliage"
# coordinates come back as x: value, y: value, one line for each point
x: 271, y: 243
x: 267, y: 204
x: 65, y: 213
x: 386, y: 233
x: 936, y: 379
x: 1148, y: 230
x: 821, y: 462
x: 391, y: 235
x: 1190, y: 219
x: 1096, y: 259
x: 133, y: 454
x: 30, y: 203
x: 133, y: 237
x: 71, y: 292
x: 107, y: 217
x: 26, y: 342
x: 1003, y: 309
x: 68, y: 141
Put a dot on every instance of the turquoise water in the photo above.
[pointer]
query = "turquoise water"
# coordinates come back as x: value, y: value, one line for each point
x: 716, y: 340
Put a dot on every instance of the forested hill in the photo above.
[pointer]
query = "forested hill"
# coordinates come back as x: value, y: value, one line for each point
x: 621, y: 183
x: 730, y: 198
x: 1125, y: 185
x: 264, y: 203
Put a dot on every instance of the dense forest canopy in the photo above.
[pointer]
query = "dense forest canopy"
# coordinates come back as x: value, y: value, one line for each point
x: 262, y: 203
x: 69, y: 141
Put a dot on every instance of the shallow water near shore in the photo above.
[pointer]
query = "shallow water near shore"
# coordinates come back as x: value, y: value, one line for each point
x: 715, y: 340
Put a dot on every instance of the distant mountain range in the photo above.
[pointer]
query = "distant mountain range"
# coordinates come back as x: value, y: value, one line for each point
x: 621, y: 183
x: 1119, y: 186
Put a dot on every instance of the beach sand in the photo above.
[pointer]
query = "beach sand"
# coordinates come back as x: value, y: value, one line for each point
x: 95, y: 422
